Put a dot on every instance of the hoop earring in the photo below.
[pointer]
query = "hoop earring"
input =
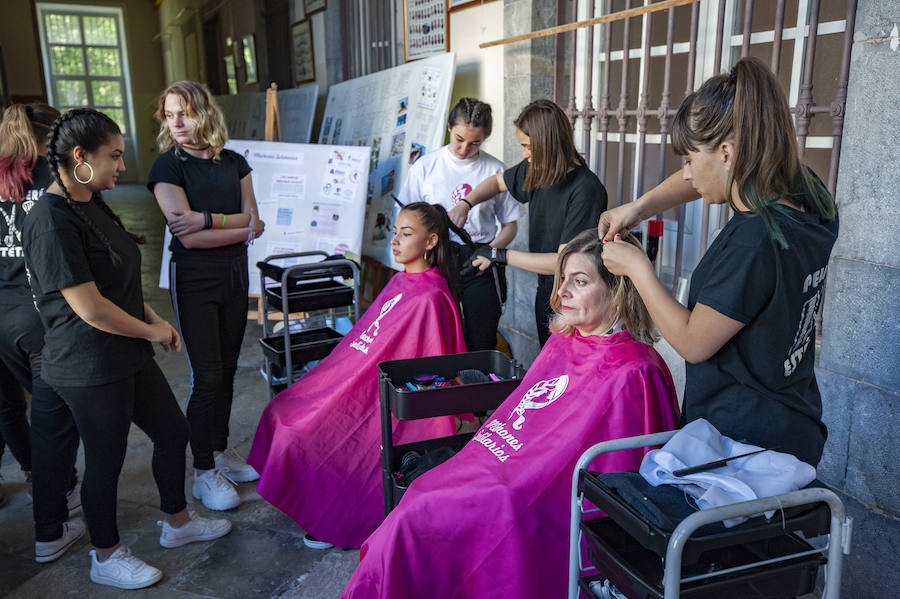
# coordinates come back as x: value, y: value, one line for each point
x: 75, y: 173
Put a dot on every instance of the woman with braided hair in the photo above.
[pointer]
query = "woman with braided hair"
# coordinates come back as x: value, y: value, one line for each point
x: 446, y: 177
x: 48, y: 452
x: 85, y: 271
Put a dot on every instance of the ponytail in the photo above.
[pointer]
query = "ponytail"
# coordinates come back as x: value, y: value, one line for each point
x: 443, y: 255
x: 749, y: 107
x: 89, y: 129
x: 23, y: 130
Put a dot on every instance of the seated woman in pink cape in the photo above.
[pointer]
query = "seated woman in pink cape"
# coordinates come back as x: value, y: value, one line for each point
x: 317, y: 446
x: 493, y: 521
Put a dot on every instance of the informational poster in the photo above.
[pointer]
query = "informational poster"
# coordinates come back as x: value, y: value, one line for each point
x: 311, y: 197
x: 400, y: 113
x: 426, y: 31
x: 245, y: 113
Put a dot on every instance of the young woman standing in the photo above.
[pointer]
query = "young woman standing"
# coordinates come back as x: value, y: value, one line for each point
x: 206, y: 195
x: 446, y: 177
x: 748, y: 331
x: 564, y: 198
x: 85, y: 271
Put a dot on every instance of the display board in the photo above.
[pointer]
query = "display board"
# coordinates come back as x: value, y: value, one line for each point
x: 400, y: 113
x: 245, y: 113
x: 311, y: 197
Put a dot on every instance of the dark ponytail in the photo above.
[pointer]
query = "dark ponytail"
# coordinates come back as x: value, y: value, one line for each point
x: 443, y: 255
x: 749, y: 107
x: 89, y: 129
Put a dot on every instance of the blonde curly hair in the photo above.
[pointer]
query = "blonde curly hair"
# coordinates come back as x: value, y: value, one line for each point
x: 208, y: 123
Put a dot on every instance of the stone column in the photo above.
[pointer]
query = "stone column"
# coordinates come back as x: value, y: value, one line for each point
x: 859, y: 363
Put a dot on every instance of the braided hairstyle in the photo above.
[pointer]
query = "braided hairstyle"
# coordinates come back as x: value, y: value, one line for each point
x: 89, y: 129
x: 443, y: 255
x: 471, y: 112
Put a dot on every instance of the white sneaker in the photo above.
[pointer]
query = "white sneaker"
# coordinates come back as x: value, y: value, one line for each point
x: 73, y: 500
x: 47, y: 551
x: 123, y: 570
x: 236, y: 466
x: 196, y: 529
x: 215, y: 490
x: 314, y: 543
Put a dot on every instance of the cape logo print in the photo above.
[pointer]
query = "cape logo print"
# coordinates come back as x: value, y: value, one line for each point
x: 368, y: 336
x: 549, y: 389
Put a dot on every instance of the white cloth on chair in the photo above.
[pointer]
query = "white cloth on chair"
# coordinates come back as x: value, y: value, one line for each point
x: 761, y: 475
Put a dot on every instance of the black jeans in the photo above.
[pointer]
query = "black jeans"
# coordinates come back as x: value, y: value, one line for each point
x: 53, y: 441
x: 482, y: 308
x: 209, y: 294
x: 104, y: 414
x: 17, y: 334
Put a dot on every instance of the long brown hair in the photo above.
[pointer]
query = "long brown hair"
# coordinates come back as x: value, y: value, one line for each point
x: 624, y: 298
x: 749, y: 107
x: 553, y: 150
x: 24, y: 129
x: 200, y: 105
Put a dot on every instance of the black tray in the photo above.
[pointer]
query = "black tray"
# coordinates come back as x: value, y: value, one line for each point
x: 311, y: 270
x: 811, y: 520
x: 638, y: 572
x: 407, y: 404
x: 311, y: 295
x: 306, y: 346
x: 454, y: 442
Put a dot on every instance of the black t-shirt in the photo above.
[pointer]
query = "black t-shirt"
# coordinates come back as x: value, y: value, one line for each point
x: 760, y: 386
x: 61, y: 251
x: 14, y: 287
x: 213, y: 185
x: 558, y: 213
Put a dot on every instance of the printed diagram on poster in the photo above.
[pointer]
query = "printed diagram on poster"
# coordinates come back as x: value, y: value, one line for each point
x: 426, y: 28
x: 399, y: 114
x: 311, y: 197
x: 303, y: 57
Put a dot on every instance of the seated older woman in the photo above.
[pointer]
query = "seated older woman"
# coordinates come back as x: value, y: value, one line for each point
x: 493, y: 520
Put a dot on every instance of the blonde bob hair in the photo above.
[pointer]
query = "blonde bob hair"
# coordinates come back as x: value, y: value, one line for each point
x: 624, y: 298
x: 207, y: 122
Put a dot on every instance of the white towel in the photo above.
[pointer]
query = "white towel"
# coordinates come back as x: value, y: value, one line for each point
x: 761, y: 475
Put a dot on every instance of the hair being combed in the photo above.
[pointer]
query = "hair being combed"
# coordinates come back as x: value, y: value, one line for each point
x: 23, y: 130
x: 553, y: 151
x: 625, y: 301
x: 443, y: 255
x: 207, y: 121
x: 89, y: 129
x: 751, y: 110
x: 472, y: 112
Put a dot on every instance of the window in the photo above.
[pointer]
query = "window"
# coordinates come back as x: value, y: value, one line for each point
x: 85, y: 63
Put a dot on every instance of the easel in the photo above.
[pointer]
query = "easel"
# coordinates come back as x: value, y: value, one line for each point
x: 272, y: 133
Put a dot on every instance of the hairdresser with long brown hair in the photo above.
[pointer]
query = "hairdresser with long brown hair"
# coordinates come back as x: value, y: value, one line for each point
x: 46, y: 452
x: 564, y: 198
x: 748, y: 331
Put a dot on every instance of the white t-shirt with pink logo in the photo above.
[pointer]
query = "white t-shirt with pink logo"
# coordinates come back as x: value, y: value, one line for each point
x: 439, y: 177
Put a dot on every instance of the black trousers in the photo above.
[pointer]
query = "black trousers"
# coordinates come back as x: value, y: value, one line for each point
x: 209, y: 295
x: 104, y: 414
x: 17, y: 335
x: 542, y: 309
x: 52, y: 443
x: 482, y: 308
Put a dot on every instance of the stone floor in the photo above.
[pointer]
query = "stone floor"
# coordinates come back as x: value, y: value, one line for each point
x: 264, y: 556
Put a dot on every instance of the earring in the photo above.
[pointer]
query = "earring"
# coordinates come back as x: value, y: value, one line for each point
x: 75, y: 173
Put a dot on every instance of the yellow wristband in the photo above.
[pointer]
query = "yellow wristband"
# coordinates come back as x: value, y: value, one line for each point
x: 222, y: 225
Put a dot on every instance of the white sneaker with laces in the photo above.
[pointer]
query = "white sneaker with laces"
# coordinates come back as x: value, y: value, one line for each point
x: 236, y: 466
x: 47, y: 551
x: 314, y: 543
x: 215, y: 489
x: 196, y: 529
x: 123, y: 570
x: 73, y: 500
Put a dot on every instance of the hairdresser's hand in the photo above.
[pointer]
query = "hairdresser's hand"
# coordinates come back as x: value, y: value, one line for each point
x: 619, y: 220
x: 482, y: 258
x: 458, y: 214
x: 624, y: 259
x: 185, y: 223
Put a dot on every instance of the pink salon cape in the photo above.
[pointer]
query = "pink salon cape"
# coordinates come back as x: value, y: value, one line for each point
x: 317, y: 446
x: 493, y: 521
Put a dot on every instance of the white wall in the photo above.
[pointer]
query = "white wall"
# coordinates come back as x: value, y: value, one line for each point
x: 479, y: 73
